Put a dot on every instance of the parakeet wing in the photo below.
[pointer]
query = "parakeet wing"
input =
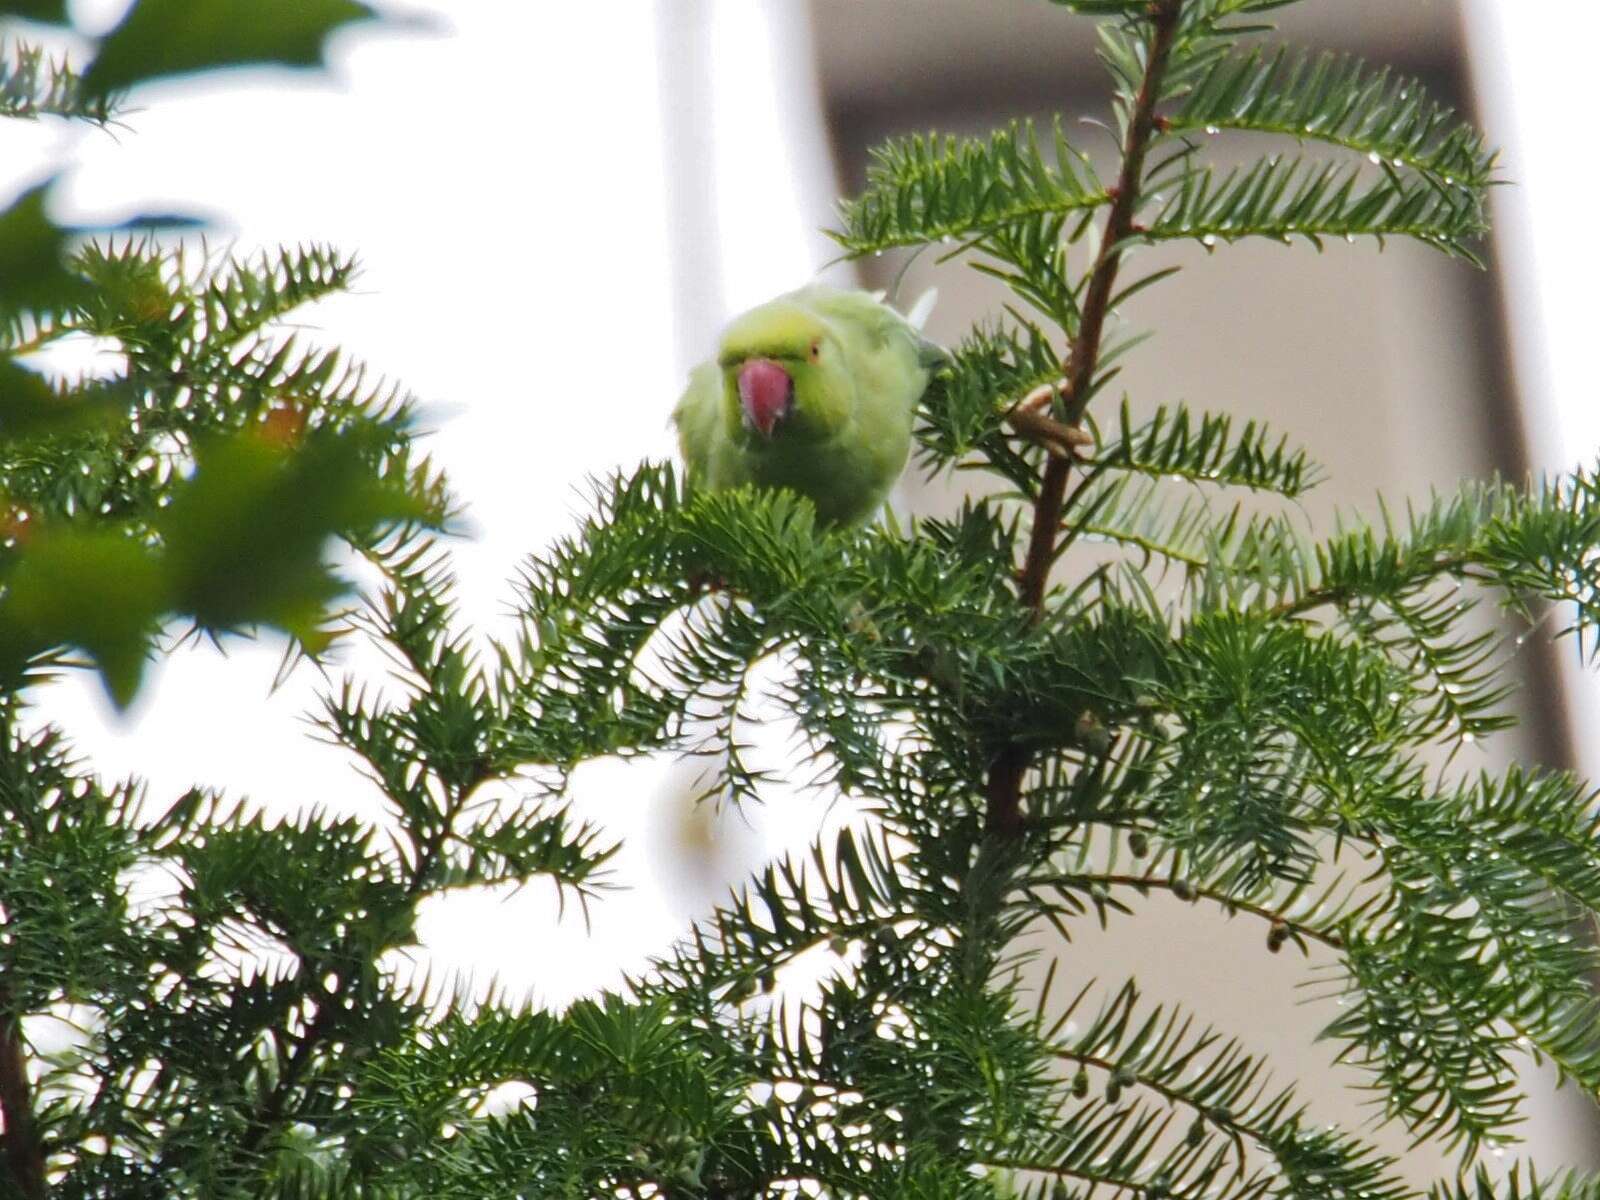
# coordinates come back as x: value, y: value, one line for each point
x: 888, y: 356
x: 712, y: 461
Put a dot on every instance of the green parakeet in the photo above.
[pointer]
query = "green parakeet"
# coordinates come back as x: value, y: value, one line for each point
x: 814, y: 391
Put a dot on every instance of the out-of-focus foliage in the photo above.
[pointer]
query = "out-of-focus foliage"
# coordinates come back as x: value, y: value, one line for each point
x: 203, y: 474
x: 159, y: 38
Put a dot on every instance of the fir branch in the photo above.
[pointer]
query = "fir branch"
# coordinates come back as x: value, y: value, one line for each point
x: 1463, y: 932
x: 1283, y: 198
x: 1398, y: 585
x: 965, y: 408
x: 1173, y: 444
x: 240, y: 298
x: 433, y: 749
x: 1548, y: 823
x: 1105, y: 8
x: 1423, y: 1034
x: 1118, y: 1148
x: 1338, y: 100
x: 33, y: 85
x: 1137, y: 512
x: 1297, y: 912
x: 200, y: 360
x: 1457, y: 686
x: 1003, y: 791
x: 1083, y: 357
x: 143, y: 293
x: 1522, y: 1182
x: 1030, y: 257
x: 1515, y: 867
x: 939, y: 189
x: 1149, y: 546
x: 1207, y: 17
x: 1539, y: 543
x: 1228, y: 1091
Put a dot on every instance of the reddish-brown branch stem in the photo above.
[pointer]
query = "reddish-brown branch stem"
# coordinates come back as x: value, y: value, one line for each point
x: 1003, y: 816
x: 24, y: 1152
x: 1083, y: 357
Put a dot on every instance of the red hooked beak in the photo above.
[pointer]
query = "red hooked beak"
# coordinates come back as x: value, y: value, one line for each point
x: 766, y: 393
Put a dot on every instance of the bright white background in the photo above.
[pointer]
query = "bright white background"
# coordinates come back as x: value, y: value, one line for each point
x: 1532, y: 92
x: 555, y: 214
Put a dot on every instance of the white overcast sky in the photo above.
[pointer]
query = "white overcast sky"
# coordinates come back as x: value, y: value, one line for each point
x: 547, y: 246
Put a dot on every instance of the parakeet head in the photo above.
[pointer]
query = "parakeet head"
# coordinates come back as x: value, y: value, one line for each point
x: 777, y: 361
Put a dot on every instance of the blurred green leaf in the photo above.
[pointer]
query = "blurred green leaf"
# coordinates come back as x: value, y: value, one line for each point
x: 245, y: 536
x: 53, y: 12
x: 176, y: 37
x: 33, y: 269
x: 241, y: 546
x: 100, y: 590
x: 30, y: 407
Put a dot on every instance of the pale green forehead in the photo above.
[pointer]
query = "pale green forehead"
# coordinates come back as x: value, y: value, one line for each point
x: 779, y: 329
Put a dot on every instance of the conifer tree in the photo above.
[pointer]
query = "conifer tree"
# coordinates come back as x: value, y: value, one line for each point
x: 1031, y: 736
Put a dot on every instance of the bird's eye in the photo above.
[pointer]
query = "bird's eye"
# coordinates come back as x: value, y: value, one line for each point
x: 816, y: 349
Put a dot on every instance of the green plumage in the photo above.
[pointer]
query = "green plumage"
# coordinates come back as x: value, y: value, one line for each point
x: 858, y: 369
